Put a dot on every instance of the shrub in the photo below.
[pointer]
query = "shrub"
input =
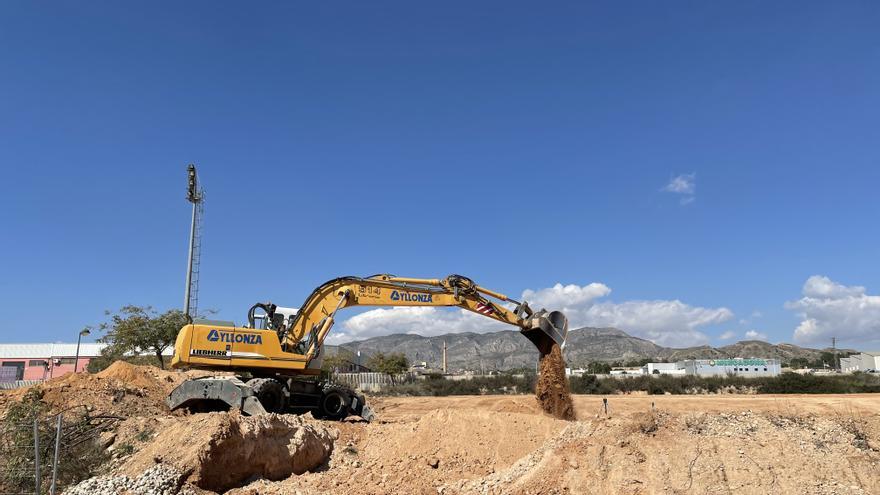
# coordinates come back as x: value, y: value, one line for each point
x: 787, y: 383
x: 80, y: 454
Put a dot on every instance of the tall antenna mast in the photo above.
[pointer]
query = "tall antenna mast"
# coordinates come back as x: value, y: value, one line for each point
x: 195, y: 195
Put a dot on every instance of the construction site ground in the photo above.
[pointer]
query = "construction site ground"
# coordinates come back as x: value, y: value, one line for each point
x: 695, y: 444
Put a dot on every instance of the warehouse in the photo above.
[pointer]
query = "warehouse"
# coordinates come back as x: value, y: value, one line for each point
x: 742, y: 367
x: 42, y: 361
x: 713, y: 367
x: 867, y: 362
x: 662, y: 369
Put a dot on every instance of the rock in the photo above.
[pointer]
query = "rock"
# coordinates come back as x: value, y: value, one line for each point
x: 106, y: 439
x: 434, y: 462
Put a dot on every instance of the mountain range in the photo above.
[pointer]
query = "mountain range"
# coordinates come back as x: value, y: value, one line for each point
x: 507, y: 349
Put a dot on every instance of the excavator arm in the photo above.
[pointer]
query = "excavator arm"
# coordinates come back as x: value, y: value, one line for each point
x: 293, y: 344
x: 313, y: 322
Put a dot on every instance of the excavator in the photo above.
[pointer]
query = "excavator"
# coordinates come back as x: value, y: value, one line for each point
x: 275, y: 361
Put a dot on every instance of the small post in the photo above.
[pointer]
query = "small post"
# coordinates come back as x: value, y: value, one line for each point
x: 36, y: 455
x: 605, y: 405
x: 55, y: 460
x: 83, y: 332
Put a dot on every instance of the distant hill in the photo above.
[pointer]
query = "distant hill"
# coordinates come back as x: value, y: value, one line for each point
x: 508, y: 349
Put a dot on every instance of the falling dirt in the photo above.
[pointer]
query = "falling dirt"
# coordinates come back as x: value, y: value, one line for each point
x: 552, y: 389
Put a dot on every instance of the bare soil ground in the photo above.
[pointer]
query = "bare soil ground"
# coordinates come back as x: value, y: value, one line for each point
x: 710, y: 444
x: 684, y: 445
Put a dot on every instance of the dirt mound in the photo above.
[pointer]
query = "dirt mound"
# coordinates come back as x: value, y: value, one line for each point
x: 421, y: 455
x: 135, y: 376
x: 552, y: 388
x: 219, y: 451
x: 123, y: 389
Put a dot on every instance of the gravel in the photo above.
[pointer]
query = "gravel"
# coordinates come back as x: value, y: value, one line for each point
x: 158, y: 480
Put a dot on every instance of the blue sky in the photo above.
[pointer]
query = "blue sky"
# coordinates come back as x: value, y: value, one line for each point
x: 696, y: 162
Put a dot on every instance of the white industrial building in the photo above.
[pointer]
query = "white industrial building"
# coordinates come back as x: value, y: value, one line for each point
x: 712, y: 367
x: 868, y: 362
x: 662, y: 369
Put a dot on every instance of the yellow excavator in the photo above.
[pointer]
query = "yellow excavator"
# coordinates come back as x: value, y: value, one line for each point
x: 281, y: 350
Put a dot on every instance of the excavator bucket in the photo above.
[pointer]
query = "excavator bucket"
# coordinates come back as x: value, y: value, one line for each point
x: 545, y: 329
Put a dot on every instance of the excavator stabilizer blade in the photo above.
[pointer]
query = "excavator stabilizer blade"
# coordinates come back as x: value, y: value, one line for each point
x: 545, y: 329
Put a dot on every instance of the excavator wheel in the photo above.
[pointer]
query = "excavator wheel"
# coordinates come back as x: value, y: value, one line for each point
x: 334, y: 403
x: 270, y: 393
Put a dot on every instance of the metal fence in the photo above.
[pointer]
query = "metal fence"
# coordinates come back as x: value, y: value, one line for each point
x: 25, y: 450
x: 39, y: 454
x: 372, y: 382
x: 18, y: 384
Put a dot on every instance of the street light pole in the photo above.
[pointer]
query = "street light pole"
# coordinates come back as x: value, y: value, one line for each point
x: 85, y: 331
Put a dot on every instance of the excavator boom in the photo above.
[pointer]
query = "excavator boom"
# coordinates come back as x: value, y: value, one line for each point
x: 317, y: 314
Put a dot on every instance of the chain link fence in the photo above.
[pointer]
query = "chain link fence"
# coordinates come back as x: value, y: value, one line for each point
x: 42, y: 453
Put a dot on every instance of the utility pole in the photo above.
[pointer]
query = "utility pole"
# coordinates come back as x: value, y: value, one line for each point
x: 445, y: 369
x: 482, y: 369
x: 196, y: 196
x: 834, y: 351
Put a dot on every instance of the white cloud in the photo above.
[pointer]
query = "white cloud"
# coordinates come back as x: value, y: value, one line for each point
x: 683, y: 184
x: 756, y: 335
x: 727, y: 335
x: 821, y: 287
x: 686, y: 200
x: 666, y: 322
x: 669, y: 323
x: 425, y: 321
x: 830, y: 309
x: 563, y: 297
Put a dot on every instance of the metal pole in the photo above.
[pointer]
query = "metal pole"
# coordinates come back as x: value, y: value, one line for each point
x: 36, y: 456
x: 189, y: 261
x: 76, y: 360
x: 55, y: 460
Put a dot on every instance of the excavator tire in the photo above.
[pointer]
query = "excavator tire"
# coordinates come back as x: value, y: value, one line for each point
x: 270, y: 393
x: 334, y: 404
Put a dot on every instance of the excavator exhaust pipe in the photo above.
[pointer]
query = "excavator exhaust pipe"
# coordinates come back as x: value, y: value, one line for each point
x: 545, y: 329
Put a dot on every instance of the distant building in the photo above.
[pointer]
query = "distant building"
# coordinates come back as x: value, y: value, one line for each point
x: 743, y: 367
x: 627, y: 371
x: 662, y: 369
x: 868, y: 362
x: 714, y: 367
x: 43, y: 361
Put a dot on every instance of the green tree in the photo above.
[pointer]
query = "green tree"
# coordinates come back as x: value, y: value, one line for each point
x: 134, y: 330
x: 598, y: 368
x: 391, y: 364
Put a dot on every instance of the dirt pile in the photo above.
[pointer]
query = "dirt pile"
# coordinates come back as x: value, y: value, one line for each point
x: 552, y: 390
x: 219, y: 451
x: 421, y: 454
x: 122, y: 389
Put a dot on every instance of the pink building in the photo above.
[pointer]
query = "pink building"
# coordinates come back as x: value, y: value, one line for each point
x: 43, y: 361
